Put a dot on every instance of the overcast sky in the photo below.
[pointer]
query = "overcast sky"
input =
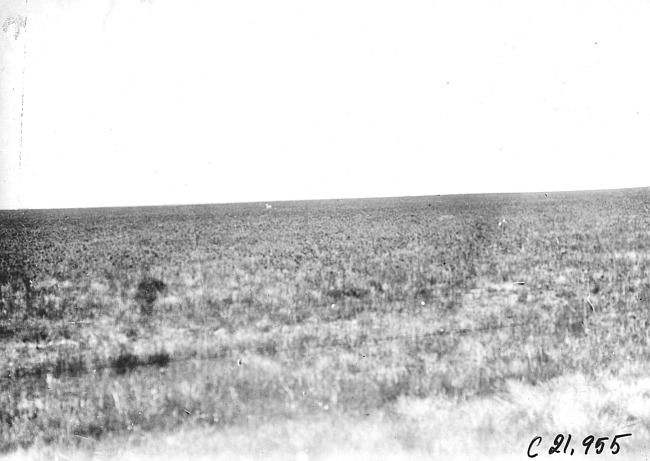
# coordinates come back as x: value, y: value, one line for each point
x: 127, y: 102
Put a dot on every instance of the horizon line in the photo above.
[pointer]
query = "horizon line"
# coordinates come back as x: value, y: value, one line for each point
x: 243, y: 202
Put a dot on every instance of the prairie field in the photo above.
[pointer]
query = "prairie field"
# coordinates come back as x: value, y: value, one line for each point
x: 398, y: 328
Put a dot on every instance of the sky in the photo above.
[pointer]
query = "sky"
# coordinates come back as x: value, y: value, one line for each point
x: 149, y: 102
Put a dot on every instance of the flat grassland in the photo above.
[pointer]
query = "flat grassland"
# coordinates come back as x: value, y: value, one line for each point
x: 410, y: 327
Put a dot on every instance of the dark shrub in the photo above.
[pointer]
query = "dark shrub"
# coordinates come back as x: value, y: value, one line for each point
x: 147, y: 293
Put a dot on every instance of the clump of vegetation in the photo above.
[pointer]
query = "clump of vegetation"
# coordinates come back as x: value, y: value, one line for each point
x: 147, y: 293
x: 127, y: 360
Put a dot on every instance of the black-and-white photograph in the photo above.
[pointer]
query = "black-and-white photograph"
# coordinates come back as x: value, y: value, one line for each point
x: 315, y: 230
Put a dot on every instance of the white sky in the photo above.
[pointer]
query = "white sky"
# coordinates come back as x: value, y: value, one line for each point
x: 132, y: 102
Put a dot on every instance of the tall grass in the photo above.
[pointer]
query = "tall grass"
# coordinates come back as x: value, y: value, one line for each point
x: 341, y: 308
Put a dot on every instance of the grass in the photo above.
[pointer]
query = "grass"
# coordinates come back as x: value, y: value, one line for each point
x: 500, y: 426
x: 128, y: 323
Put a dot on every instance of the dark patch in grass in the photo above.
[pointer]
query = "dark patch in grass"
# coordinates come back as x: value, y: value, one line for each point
x: 127, y: 361
x: 34, y: 335
x: 424, y: 293
x: 7, y: 418
x: 390, y: 391
x: 351, y: 292
x: 47, y: 310
x: 89, y: 430
x: 147, y: 293
x: 124, y: 362
x: 227, y: 301
x: 6, y: 333
x: 160, y: 359
x: 73, y: 366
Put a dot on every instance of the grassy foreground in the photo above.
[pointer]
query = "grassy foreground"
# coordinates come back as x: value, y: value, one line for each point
x: 415, y: 325
x: 496, y: 427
